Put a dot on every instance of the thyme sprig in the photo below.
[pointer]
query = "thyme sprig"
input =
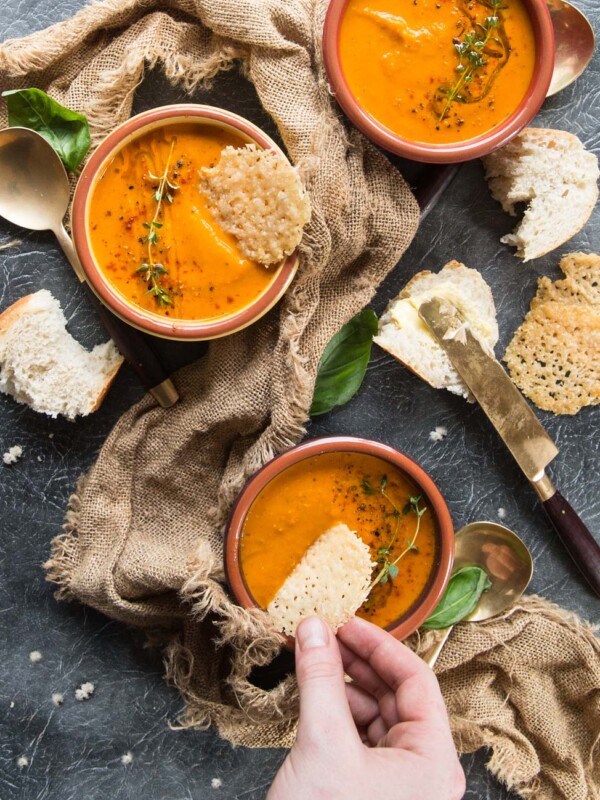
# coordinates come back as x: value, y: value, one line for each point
x: 152, y: 271
x: 486, y: 40
x: 388, y: 565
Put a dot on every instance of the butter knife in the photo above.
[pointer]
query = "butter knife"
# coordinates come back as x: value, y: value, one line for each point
x: 516, y: 423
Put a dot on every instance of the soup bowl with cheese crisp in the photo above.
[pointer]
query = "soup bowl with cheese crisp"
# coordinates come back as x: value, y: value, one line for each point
x: 383, y: 496
x: 439, y: 81
x: 150, y: 246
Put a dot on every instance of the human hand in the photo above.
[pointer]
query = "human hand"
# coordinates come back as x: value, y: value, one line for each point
x: 385, y: 735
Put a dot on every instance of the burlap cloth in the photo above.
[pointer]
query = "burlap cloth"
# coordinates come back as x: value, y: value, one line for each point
x: 143, y: 537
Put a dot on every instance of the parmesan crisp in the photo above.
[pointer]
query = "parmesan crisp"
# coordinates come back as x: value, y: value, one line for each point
x: 257, y: 196
x: 331, y: 581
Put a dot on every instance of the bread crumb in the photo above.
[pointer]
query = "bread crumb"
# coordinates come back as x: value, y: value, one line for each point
x: 127, y: 758
x: 13, y: 454
x: 58, y: 698
x: 85, y: 691
x: 216, y: 783
x: 22, y: 762
x: 439, y: 433
x: 35, y: 656
x: 51, y: 436
x: 39, y: 458
x: 12, y: 704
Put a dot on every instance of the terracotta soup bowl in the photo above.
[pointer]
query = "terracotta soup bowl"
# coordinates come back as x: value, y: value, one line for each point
x: 212, y: 290
x: 297, y: 496
x: 439, y: 81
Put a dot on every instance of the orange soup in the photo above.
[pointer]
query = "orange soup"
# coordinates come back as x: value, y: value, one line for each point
x: 153, y: 236
x: 437, y: 71
x: 311, y: 496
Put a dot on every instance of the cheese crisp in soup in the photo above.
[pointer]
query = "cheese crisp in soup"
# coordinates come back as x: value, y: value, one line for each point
x: 178, y: 263
x: 437, y: 71
x: 319, y: 492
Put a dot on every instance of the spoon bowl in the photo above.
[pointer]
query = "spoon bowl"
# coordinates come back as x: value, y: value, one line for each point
x: 34, y: 187
x: 574, y: 43
x: 505, y: 558
x: 507, y: 562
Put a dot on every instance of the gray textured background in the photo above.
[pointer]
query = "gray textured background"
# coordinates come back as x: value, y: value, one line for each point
x: 75, y: 751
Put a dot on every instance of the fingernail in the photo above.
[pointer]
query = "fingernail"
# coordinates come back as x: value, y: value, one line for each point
x: 312, y: 632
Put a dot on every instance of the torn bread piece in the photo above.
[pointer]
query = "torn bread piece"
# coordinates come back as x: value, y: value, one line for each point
x: 331, y: 580
x: 407, y: 338
x: 552, y: 172
x: 554, y: 356
x: 41, y: 364
x: 257, y: 196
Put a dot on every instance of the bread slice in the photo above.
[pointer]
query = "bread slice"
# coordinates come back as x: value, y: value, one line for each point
x: 405, y: 336
x: 257, y: 196
x: 552, y: 172
x: 331, y: 580
x: 43, y: 366
x: 554, y: 356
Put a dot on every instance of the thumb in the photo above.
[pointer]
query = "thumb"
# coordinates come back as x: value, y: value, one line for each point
x: 324, y: 709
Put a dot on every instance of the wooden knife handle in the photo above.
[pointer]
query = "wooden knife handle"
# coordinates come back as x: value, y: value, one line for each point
x: 137, y: 351
x: 579, y: 542
x: 432, y: 183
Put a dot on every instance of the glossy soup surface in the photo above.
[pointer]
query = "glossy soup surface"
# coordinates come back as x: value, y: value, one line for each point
x: 309, y: 497
x: 207, y: 276
x: 401, y: 63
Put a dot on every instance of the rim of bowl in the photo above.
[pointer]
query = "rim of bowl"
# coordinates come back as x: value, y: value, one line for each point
x: 443, y: 153
x: 438, y: 581
x: 166, y: 327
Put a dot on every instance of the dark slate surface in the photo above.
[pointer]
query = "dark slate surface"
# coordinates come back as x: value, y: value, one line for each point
x: 75, y: 750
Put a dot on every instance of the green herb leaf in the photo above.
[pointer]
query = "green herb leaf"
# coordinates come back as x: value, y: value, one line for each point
x: 367, y: 487
x: 67, y: 131
x: 460, y: 598
x: 344, y: 363
x: 393, y: 571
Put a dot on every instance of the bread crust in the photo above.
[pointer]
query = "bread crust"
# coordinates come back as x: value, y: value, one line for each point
x: 11, y: 314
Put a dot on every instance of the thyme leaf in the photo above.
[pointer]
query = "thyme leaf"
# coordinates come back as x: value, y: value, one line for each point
x: 151, y: 271
x: 388, y: 565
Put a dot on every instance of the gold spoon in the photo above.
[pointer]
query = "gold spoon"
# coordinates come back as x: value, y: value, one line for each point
x: 34, y: 193
x: 573, y: 44
x: 506, y: 560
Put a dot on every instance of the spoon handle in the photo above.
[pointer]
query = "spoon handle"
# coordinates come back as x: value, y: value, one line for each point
x: 132, y: 344
x: 431, y: 656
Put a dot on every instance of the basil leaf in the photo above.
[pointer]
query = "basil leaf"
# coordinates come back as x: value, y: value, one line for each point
x: 67, y: 131
x: 344, y: 363
x: 462, y: 594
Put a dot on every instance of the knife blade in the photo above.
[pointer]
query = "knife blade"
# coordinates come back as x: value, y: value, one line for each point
x: 520, y: 429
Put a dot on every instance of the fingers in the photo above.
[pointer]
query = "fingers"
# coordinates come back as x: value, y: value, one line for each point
x: 363, y: 707
x: 418, y: 695
x: 324, y: 711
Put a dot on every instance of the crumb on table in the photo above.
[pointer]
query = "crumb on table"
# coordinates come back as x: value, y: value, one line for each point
x: 85, y: 691
x: 439, y: 433
x: 35, y: 656
x: 13, y: 454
